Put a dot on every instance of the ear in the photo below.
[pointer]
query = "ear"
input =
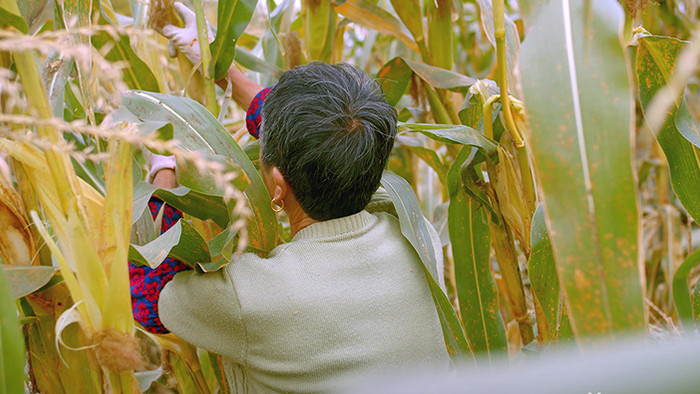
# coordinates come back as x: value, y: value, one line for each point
x: 280, y: 187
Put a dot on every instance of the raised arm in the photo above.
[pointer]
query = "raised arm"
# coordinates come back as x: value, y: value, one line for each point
x: 186, y: 39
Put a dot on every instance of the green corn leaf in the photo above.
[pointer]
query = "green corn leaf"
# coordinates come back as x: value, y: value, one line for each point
x: 580, y: 109
x: 55, y: 79
x: 368, y: 14
x: 393, y: 76
x: 232, y: 18
x: 696, y: 301
x: 429, y: 156
x: 681, y: 294
x: 394, y: 79
x: 410, y: 13
x: 189, y: 176
x: 471, y: 249
x: 8, y: 19
x: 413, y: 227
x: 181, y: 242
x: 221, y: 248
x: 196, y: 129
x: 12, y: 358
x: 137, y: 75
x: 543, y: 272
x: 252, y: 62
x: 686, y: 125
x: 656, y: 58
x: 26, y: 280
x: 35, y: 12
x: 455, y: 134
x: 197, y: 204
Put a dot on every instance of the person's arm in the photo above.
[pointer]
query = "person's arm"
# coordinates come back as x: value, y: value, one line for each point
x: 244, y: 91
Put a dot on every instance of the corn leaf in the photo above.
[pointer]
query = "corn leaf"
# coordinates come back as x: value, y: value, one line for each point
x: 471, y: 249
x: 394, y: 73
x: 696, y: 301
x: 410, y: 13
x: 12, y: 358
x: 577, y: 93
x: 368, y: 14
x: 193, y: 203
x: 196, y: 129
x: 221, y: 248
x: 431, y: 158
x: 681, y: 294
x: 55, y: 79
x: 394, y: 78
x: 137, y: 75
x: 687, y: 126
x: 35, y: 12
x: 656, y: 58
x: 189, y: 176
x: 252, y: 62
x: 455, y: 134
x: 232, y: 18
x: 543, y: 272
x: 181, y: 242
x: 413, y: 227
x: 8, y: 19
x: 26, y: 280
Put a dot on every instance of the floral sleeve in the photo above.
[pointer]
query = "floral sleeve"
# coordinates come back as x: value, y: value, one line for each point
x: 254, y: 115
x: 147, y: 283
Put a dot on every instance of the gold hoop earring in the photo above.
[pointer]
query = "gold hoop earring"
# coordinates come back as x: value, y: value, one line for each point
x: 277, y: 208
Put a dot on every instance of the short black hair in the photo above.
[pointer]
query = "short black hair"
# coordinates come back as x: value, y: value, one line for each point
x: 330, y: 132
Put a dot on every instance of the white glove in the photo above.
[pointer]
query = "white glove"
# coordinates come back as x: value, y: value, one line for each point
x: 157, y: 163
x: 186, y: 39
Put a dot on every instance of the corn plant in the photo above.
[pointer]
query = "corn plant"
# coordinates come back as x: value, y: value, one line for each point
x: 554, y: 146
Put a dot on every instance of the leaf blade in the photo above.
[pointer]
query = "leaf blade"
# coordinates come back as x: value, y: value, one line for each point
x: 594, y: 221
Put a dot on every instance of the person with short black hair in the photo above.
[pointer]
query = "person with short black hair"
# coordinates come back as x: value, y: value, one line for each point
x: 348, y: 296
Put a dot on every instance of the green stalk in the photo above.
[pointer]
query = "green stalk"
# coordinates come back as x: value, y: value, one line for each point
x: 501, y: 75
x: 36, y: 97
x: 437, y: 106
x: 502, y: 79
x: 523, y: 156
x: 487, y: 108
x: 203, y: 34
x: 25, y: 63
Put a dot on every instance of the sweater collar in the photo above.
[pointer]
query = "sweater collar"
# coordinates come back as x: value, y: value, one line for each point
x: 335, y: 227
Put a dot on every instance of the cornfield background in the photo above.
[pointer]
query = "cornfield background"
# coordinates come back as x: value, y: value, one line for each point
x: 553, y: 144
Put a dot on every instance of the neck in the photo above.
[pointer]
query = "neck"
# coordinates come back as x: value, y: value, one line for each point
x: 298, y: 219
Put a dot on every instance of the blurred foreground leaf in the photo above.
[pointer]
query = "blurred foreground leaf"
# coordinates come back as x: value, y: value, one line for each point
x: 579, y: 106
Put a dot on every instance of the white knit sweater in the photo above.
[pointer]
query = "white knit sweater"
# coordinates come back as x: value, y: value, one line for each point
x: 345, y: 298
